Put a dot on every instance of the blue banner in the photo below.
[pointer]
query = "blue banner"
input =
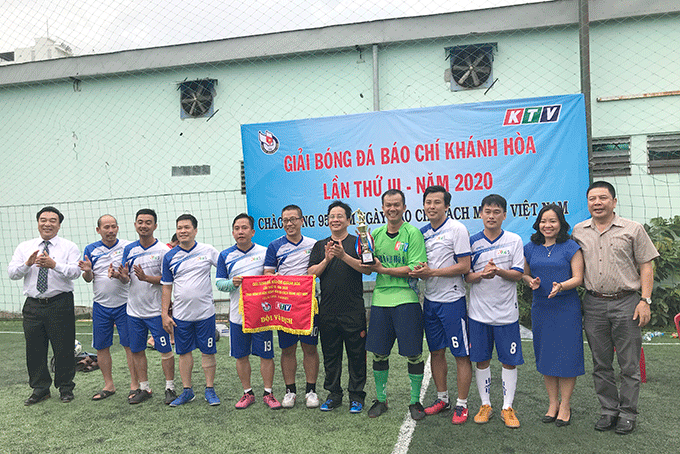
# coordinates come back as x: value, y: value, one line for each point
x: 530, y: 151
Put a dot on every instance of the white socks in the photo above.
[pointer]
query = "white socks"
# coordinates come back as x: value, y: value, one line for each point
x: 509, y: 377
x: 483, y: 378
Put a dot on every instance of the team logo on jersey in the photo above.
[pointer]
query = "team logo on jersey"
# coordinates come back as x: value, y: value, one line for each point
x: 286, y: 307
x: 401, y: 247
x: 266, y: 306
x: 503, y: 252
x: 268, y: 142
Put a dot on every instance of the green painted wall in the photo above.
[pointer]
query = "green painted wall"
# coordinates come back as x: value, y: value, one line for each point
x: 110, y: 146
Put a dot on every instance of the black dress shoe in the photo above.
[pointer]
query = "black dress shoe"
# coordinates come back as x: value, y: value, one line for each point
x: 625, y: 426
x: 548, y: 419
x: 563, y: 422
x: 66, y: 396
x: 606, y: 422
x: 35, y: 398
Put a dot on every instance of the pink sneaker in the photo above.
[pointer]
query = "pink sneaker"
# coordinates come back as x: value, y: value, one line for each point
x: 246, y: 401
x: 271, y: 401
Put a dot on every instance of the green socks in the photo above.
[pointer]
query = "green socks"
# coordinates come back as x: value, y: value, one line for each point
x: 381, y: 383
x: 416, y: 383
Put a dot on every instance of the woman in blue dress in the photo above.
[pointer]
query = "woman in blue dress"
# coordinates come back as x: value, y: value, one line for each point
x: 553, y: 269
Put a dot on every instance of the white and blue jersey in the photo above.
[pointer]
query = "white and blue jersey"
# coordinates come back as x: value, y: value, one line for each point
x: 107, y: 291
x: 444, y: 246
x: 234, y: 262
x: 189, y: 274
x: 144, y: 299
x: 288, y: 258
x: 494, y: 301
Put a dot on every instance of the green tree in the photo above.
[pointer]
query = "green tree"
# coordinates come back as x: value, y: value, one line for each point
x: 665, y: 234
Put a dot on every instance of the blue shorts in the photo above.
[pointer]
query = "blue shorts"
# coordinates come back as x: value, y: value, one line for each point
x: 198, y: 334
x: 103, y: 319
x: 403, y: 322
x: 287, y: 339
x: 446, y: 325
x: 138, y: 328
x: 505, y: 337
x: 243, y: 344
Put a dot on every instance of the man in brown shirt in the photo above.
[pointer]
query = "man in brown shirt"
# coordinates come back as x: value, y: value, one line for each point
x: 619, y: 276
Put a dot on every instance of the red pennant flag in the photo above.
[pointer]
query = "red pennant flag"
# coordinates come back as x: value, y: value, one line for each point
x: 287, y: 303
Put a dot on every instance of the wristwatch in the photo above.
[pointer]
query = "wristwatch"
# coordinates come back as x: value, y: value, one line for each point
x: 647, y: 300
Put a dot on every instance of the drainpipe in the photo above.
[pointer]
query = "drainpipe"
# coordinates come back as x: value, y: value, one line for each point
x: 376, y: 84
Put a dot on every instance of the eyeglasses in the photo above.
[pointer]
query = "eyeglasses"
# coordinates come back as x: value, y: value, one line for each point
x: 290, y: 220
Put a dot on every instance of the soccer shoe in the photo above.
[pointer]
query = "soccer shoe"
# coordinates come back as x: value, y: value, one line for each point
x: 288, y: 400
x: 140, y: 397
x: 377, y: 409
x: 437, y: 406
x: 170, y: 395
x: 485, y: 413
x: 245, y: 401
x: 312, y: 400
x: 417, y: 411
x: 356, y: 407
x: 271, y: 401
x: 330, y: 404
x: 509, y: 418
x: 186, y: 397
x: 460, y: 415
x: 211, y: 397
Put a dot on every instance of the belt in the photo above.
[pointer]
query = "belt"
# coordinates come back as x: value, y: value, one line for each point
x: 50, y: 299
x: 611, y: 296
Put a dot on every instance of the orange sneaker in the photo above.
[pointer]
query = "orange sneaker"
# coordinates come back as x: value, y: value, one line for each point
x: 509, y: 418
x: 485, y: 413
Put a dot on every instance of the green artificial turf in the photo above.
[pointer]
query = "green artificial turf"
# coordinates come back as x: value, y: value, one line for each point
x: 112, y: 425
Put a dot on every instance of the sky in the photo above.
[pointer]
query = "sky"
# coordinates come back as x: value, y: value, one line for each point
x: 99, y: 26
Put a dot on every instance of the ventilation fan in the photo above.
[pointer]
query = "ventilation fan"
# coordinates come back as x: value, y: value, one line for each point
x: 196, y: 98
x: 471, y: 66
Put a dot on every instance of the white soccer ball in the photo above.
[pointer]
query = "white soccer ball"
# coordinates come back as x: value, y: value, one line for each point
x: 78, y: 347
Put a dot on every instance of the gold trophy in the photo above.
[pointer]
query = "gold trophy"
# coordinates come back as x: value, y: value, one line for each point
x: 365, y: 240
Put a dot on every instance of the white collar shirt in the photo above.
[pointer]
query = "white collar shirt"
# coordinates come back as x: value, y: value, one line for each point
x: 59, y: 280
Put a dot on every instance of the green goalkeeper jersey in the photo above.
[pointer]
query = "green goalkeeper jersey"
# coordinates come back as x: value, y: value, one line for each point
x: 406, y: 249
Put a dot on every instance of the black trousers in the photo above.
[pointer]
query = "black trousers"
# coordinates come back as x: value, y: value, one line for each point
x: 334, y: 331
x: 50, y: 321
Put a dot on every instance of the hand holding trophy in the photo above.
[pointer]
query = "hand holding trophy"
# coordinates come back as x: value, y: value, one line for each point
x: 364, y: 240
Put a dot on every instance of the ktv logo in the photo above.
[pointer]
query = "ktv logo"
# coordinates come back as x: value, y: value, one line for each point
x: 284, y: 306
x: 532, y: 115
